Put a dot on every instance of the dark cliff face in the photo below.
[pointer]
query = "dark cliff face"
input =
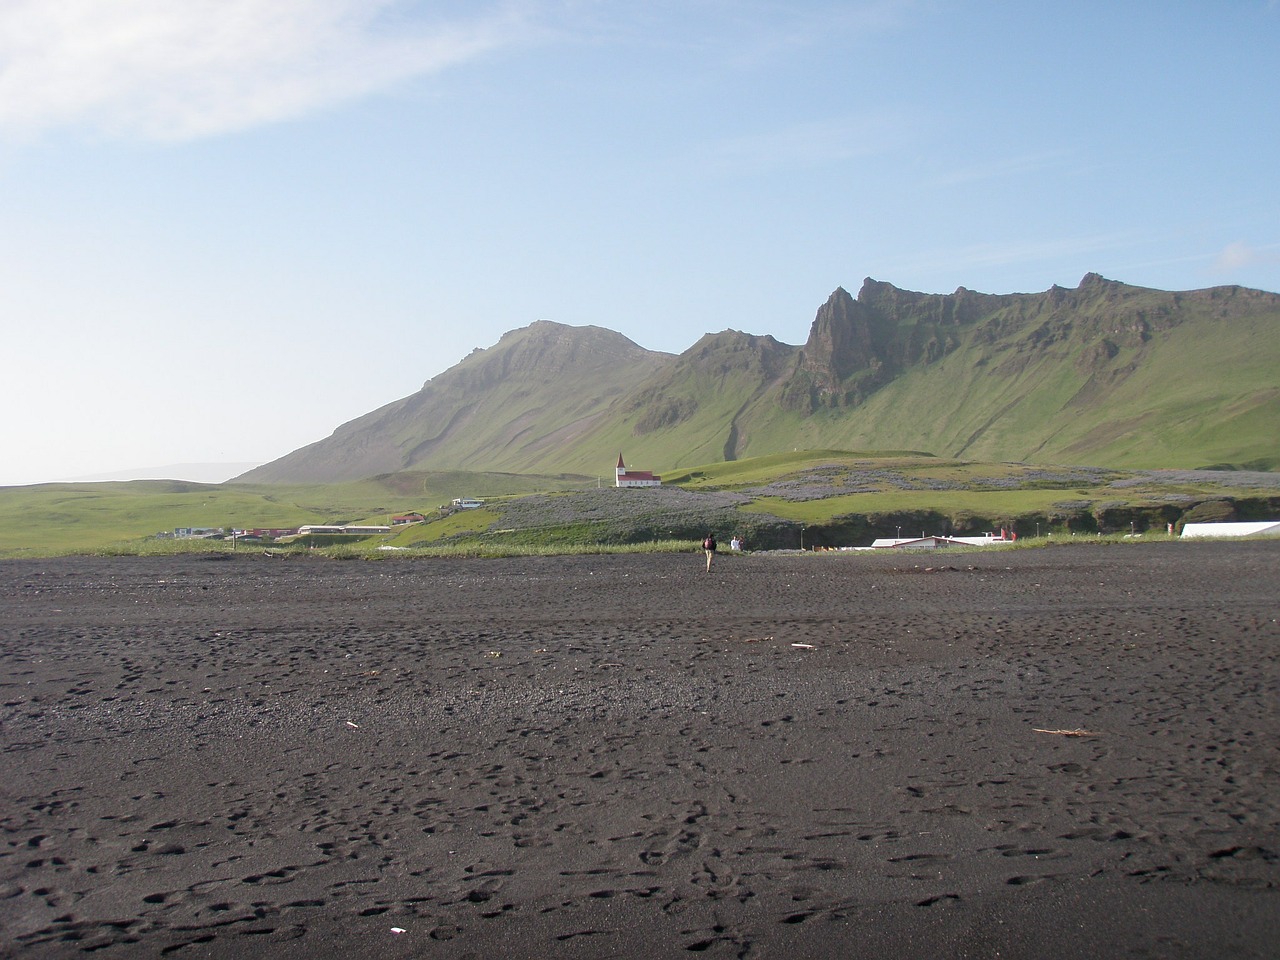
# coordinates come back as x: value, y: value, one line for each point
x: 855, y: 347
x: 850, y: 350
x: 897, y: 307
x: 840, y: 340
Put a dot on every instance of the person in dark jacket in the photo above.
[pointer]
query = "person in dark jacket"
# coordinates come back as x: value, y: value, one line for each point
x: 709, y: 548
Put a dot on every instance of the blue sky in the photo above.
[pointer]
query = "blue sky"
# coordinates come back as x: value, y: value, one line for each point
x: 228, y: 226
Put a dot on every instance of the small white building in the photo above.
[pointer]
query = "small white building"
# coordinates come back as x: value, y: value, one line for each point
x: 1249, y: 528
x: 634, y: 478
x: 936, y: 542
x: 348, y: 529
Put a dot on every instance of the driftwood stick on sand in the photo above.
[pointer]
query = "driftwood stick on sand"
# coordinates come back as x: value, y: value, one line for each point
x: 1067, y: 733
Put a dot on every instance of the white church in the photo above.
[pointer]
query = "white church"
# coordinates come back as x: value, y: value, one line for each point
x: 634, y: 478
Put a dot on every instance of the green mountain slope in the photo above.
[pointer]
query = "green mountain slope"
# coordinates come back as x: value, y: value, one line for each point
x: 1104, y: 373
x: 686, y: 412
x: 520, y: 403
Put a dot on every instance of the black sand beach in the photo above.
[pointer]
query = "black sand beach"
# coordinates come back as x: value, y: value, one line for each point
x: 1068, y: 752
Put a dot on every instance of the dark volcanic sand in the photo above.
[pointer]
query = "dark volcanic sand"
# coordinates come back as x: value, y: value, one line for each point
x: 626, y: 756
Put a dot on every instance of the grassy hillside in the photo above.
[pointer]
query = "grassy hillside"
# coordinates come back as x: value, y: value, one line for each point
x: 1104, y: 373
x: 1212, y: 389
x: 839, y: 497
x: 50, y: 519
x: 685, y: 413
x: 1106, y: 381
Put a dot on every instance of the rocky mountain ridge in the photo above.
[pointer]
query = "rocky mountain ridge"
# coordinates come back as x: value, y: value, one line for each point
x: 1101, y: 373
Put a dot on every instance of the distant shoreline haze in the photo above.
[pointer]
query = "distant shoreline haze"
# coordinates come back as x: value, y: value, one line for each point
x: 191, y: 472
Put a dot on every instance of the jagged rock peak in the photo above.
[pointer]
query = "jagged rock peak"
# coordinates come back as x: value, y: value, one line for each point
x: 1096, y: 280
x: 873, y: 288
x: 840, y: 337
x: 838, y: 310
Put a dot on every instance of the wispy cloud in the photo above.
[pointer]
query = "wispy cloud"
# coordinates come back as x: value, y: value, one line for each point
x: 1000, y: 169
x: 180, y: 69
x: 801, y: 28
x: 743, y: 33
x: 1056, y: 252
x: 1238, y: 256
x: 800, y: 145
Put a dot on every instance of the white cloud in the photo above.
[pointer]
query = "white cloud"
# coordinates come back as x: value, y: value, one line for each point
x: 1240, y: 256
x: 180, y: 69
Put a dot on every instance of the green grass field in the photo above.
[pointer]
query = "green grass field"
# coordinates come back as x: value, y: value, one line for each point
x: 811, y: 488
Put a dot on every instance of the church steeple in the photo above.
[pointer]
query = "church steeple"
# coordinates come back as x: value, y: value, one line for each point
x: 634, y: 478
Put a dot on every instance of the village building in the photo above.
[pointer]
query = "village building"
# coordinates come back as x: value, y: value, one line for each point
x: 347, y: 529
x: 936, y: 542
x: 1244, y: 528
x: 634, y: 478
x: 197, y: 533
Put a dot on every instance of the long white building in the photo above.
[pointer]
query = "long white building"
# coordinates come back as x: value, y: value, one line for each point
x: 1250, y: 528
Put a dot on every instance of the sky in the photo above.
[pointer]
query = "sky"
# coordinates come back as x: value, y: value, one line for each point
x: 229, y: 226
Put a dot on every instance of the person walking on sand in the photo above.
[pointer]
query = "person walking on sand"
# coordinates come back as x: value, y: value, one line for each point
x: 709, y: 548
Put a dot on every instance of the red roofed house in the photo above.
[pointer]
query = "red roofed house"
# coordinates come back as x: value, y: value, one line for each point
x: 635, y: 478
